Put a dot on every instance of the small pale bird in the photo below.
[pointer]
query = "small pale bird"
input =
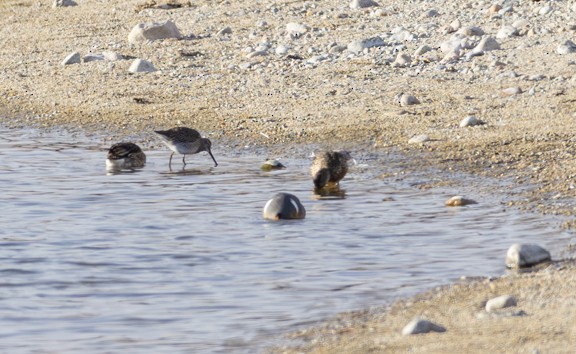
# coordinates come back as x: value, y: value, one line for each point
x: 329, y: 167
x: 185, y: 141
x: 284, y: 206
x: 125, y: 155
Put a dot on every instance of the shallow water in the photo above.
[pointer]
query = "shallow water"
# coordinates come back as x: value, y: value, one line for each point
x: 163, y: 261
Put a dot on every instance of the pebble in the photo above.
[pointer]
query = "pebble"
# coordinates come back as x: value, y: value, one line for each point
x: 418, y: 326
x: 73, y: 58
x: 419, y: 139
x: 500, y: 302
x: 512, y: 91
x: 144, y: 32
x: 526, y: 255
x: 359, y: 46
x: 470, y: 121
x: 257, y: 53
x: 459, y: 200
x: 487, y: 44
x: 566, y: 48
x: 140, y: 66
x: 294, y: 28
x: 452, y: 27
x: 406, y: 100
x: 271, y: 165
x: 224, y: 31
x: 284, y: 206
x: 545, y: 10
x: 282, y: 49
x: 423, y: 49
x: 92, y: 57
x: 402, y: 60
x: 471, y: 31
x: 112, y: 56
x: 63, y: 3
x: 507, y: 31
x: 362, y: 4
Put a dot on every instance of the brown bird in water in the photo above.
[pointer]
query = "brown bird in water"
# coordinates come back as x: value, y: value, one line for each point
x: 329, y: 167
x: 125, y: 155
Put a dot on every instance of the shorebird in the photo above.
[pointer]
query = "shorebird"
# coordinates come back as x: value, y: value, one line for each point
x: 329, y: 167
x: 284, y: 206
x: 185, y: 141
x: 125, y: 155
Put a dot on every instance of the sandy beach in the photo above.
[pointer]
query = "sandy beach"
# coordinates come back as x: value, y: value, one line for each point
x: 283, y: 73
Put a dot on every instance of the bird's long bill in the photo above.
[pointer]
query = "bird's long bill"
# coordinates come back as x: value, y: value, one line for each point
x: 212, y: 156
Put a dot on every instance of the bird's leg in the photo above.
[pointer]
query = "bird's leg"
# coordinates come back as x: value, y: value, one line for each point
x: 170, y: 163
x: 184, y: 160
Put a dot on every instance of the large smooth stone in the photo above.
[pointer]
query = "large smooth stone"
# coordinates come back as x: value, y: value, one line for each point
x: 144, y: 32
x: 526, y: 255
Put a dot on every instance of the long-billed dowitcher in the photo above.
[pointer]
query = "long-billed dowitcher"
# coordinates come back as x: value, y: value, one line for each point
x: 329, y: 167
x: 284, y: 206
x: 125, y: 155
x: 185, y: 141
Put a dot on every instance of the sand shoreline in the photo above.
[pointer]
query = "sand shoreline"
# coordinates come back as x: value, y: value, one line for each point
x: 329, y: 98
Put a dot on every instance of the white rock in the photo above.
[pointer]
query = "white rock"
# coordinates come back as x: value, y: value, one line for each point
x: 296, y: 28
x: 419, y: 139
x: 526, y: 255
x: 545, y: 10
x: 469, y: 121
x: 112, y: 56
x: 140, y: 65
x: 406, y: 100
x: 63, y: 3
x: 144, y: 32
x: 359, y: 46
x: 458, y: 200
x: 403, y: 36
x: 452, y: 27
x: 73, y: 58
x: 422, y: 50
x: 470, y: 31
x: 362, y: 4
x: 430, y: 13
x: 92, y: 57
x: 257, y: 53
x: 512, y: 91
x: 417, y: 326
x: 566, y: 48
x: 500, y: 302
x: 224, y: 31
x: 486, y: 44
x: 402, y: 60
x: 456, y: 43
x: 507, y: 31
x: 282, y: 49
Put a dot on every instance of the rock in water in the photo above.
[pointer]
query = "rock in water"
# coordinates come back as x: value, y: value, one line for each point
x: 526, y: 255
x: 284, y: 206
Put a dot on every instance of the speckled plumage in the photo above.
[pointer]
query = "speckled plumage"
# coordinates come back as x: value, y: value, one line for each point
x: 125, y: 155
x: 185, y: 141
x: 329, y: 167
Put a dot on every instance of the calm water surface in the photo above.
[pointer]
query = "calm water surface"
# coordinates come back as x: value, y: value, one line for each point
x: 182, y: 261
